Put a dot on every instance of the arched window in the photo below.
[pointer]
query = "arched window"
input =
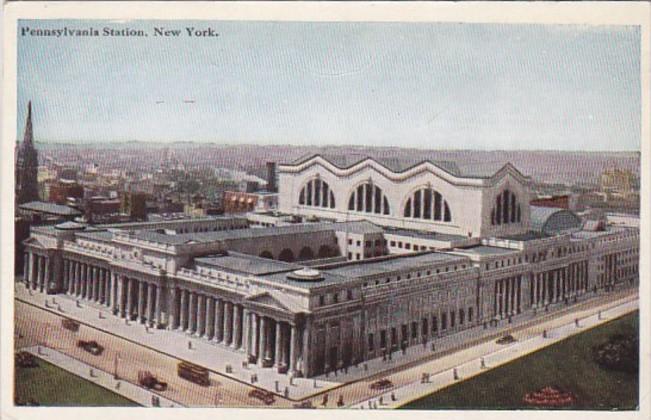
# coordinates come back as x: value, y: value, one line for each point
x: 317, y: 193
x: 368, y: 198
x: 506, y: 209
x: 429, y: 204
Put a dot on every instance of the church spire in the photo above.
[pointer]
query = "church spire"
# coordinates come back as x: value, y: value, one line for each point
x: 28, y: 138
x: 27, y: 165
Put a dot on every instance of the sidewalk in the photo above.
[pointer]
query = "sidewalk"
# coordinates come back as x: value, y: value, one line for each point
x: 104, y: 379
x: 441, y: 379
x: 216, y: 357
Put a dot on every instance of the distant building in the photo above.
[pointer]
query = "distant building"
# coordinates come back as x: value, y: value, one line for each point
x: 134, y: 204
x: 60, y: 191
x: 27, y: 165
x: 244, y: 202
x: 565, y: 201
x: 618, y: 180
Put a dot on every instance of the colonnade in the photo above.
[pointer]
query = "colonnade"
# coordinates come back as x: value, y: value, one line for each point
x: 87, y: 281
x: 137, y: 299
x: 556, y: 285
x: 38, y: 271
x: 507, y: 297
x: 266, y: 341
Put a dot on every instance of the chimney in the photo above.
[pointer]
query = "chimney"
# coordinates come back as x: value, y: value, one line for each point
x: 271, y: 177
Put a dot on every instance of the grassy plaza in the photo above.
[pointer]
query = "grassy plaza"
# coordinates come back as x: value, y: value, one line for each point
x: 49, y: 385
x: 568, y: 365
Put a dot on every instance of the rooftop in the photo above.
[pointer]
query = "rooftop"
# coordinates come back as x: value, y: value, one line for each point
x: 395, y: 164
x: 50, y: 208
x: 486, y: 251
x: 434, y: 236
x: 383, y: 265
x: 246, y: 264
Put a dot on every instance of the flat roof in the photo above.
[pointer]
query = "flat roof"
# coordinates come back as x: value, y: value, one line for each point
x: 433, y: 236
x: 246, y: 264
x: 399, y: 263
x: 222, y: 235
x: 50, y: 208
x: 484, y: 250
x: 525, y: 237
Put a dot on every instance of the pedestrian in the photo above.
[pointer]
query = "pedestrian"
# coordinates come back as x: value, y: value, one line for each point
x: 544, y: 333
x: 315, y: 386
x: 381, y: 400
x: 365, y: 367
x: 340, y: 401
x: 189, y: 345
x: 117, y: 385
x: 455, y: 373
x: 576, y: 322
x: 393, y: 396
x: 599, y: 315
x: 324, y: 401
x: 286, y: 392
x: 483, y: 363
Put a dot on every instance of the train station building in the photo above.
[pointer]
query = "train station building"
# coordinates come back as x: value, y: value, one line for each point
x: 363, y: 257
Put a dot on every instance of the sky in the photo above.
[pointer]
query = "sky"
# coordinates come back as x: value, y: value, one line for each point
x: 427, y: 85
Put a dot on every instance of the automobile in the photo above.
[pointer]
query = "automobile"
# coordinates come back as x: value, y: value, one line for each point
x: 304, y: 404
x: 507, y: 339
x: 149, y: 381
x: 26, y: 360
x: 69, y: 324
x: 92, y: 347
x: 264, y: 396
x: 193, y: 373
x: 381, y: 384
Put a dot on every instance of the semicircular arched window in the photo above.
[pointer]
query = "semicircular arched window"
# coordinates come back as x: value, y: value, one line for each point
x: 427, y: 203
x: 368, y: 198
x: 506, y: 209
x: 317, y: 193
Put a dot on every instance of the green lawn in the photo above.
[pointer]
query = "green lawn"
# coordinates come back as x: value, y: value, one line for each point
x: 52, y: 386
x: 567, y: 364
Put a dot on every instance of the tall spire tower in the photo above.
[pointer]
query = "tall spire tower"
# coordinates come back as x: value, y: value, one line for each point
x: 27, y: 165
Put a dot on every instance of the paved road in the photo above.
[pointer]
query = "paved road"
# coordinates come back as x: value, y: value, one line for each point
x: 38, y: 326
x: 104, y: 379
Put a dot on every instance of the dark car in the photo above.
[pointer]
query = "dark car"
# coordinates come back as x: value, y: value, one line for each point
x: 92, y: 347
x: 264, y: 396
x: 507, y: 339
x: 381, y: 384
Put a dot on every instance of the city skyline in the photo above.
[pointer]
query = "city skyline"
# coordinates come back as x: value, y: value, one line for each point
x: 397, y: 84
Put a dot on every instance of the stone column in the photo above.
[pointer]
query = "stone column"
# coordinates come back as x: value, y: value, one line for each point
x: 120, y: 296
x: 129, y: 290
x: 32, y: 271
x: 293, y: 347
x: 210, y: 317
x: 246, y: 333
x: 109, y: 295
x: 201, y: 315
x: 151, y: 304
x: 78, y: 279
x: 157, y: 305
x: 113, y: 300
x: 26, y: 267
x: 263, y: 340
x: 219, y: 322
x: 46, y: 274
x: 66, y: 266
x: 172, y: 310
x: 277, y: 342
x: 305, y: 351
x: 141, y: 301
x: 228, y: 323
x: 192, y: 315
x: 184, y: 310
x: 237, y: 329
x: 254, y: 335
x: 95, y: 284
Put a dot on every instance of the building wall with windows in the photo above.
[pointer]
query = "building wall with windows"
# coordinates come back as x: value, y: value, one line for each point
x: 425, y: 197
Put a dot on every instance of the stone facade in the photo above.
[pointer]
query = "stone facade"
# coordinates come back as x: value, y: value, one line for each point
x: 312, y: 297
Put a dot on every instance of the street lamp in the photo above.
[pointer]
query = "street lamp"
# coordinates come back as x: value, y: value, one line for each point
x: 115, y: 366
